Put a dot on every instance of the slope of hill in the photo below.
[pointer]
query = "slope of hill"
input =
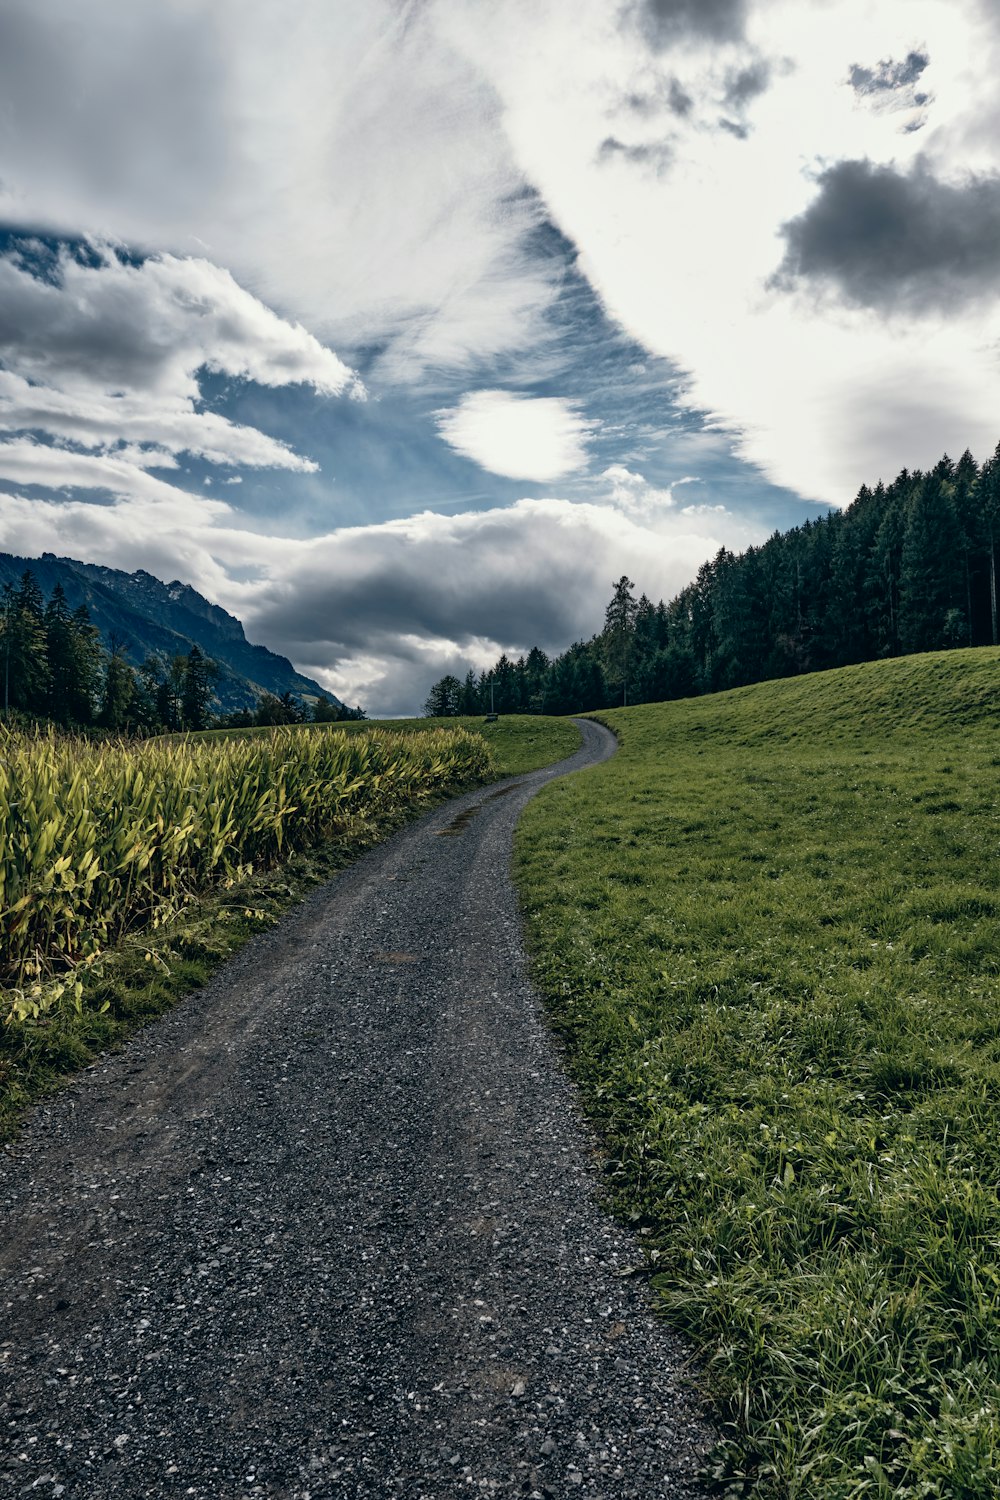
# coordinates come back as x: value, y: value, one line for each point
x: 769, y: 930
x: 148, y: 616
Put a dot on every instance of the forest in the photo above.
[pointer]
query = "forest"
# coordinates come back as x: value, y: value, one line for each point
x: 56, y: 669
x: 907, y: 567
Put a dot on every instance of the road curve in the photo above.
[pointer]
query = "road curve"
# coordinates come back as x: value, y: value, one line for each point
x: 329, y: 1228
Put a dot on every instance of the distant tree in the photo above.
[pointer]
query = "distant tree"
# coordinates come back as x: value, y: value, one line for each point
x: 929, y: 575
x: 988, y: 488
x: 170, y: 693
x: 89, y: 655
x: 272, y: 710
x: 471, y: 696
x: 325, y: 711
x: 240, y: 718
x: 119, y: 701
x: 60, y: 648
x: 25, y: 647
x: 619, y: 624
x: 444, y: 701
x: 292, y: 708
x: 147, y: 700
x: 196, y: 691
x: 536, y: 673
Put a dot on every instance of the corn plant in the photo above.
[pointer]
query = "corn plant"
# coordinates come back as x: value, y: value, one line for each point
x: 100, y: 840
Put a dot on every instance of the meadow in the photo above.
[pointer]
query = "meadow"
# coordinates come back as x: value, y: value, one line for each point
x: 769, y: 933
x: 128, y: 872
x: 518, y: 743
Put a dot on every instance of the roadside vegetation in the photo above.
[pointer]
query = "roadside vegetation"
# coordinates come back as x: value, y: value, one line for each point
x: 769, y: 932
x: 129, y: 872
x: 518, y: 743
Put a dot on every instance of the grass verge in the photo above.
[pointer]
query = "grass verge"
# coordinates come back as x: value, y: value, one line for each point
x: 148, y: 973
x: 769, y: 932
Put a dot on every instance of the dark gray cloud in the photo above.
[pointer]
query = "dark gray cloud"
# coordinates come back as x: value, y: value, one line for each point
x: 668, y: 21
x: 514, y: 577
x: 420, y: 597
x: 889, y: 76
x: 655, y: 154
x: 674, y: 95
x: 747, y: 83
x: 896, y: 240
x: 105, y: 101
x: 679, y: 100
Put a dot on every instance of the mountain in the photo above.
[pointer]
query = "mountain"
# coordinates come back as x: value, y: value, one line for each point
x: 146, y: 616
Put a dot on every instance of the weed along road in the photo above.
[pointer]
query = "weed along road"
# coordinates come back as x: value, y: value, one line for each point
x: 329, y: 1229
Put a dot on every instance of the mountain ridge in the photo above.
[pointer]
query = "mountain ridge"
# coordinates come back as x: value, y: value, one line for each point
x: 146, y: 616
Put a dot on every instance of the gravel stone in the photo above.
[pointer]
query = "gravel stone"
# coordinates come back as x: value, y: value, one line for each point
x: 331, y: 1227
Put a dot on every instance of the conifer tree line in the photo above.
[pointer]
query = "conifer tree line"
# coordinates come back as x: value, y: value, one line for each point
x: 55, y: 667
x: 907, y: 567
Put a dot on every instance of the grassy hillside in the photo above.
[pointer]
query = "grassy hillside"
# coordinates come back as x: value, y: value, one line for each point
x: 769, y: 930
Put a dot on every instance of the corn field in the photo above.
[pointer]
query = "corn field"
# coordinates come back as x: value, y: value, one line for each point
x: 97, y: 841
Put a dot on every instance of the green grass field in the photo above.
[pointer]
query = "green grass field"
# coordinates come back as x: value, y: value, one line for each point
x: 519, y: 742
x: 769, y: 931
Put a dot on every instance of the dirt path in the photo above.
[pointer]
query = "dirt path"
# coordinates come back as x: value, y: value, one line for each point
x: 329, y: 1230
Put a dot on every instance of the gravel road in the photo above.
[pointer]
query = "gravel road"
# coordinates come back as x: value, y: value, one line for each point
x: 329, y: 1229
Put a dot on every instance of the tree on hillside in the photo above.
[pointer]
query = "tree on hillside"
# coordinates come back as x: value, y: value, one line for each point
x: 90, y: 657
x: 988, y: 489
x: 196, y: 691
x: 170, y: 692
x: 272, y: 711
x: 25, y: 654
x: 75, y: 657
x: 928, y: 567
x: 471, y: 698
x: 619, y: 623
x: 908, y: 566
x: 119, y: 706
x: 325, y: 711
x: 445, y: 699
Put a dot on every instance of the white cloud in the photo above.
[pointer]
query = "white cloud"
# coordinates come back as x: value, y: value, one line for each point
x: 632, y: 494
x: 345, y: 163
x: 150, y: 327
x: 679, y: 231
x: 375, y: 171
x: 23, y: 461
x: 106, y: 356
x: 377, y: 611
x: 168, y: 423
x: 522, y: 437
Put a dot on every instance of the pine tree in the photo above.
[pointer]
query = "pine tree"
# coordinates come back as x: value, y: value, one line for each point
x: 196, y: 691
x: 89, y: 655
x: 989, y: 506
x: 25, y: 647
x: 929, y: 577
x: 75, y: 656
x: 471, y: 703
x: 59, y: 641
x: 963, y: 496
x: 119, y: 699
x: 445, y: 699
x: 619, y: 626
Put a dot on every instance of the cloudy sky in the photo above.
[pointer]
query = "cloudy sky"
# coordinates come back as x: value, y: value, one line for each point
x: 401, y: 328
